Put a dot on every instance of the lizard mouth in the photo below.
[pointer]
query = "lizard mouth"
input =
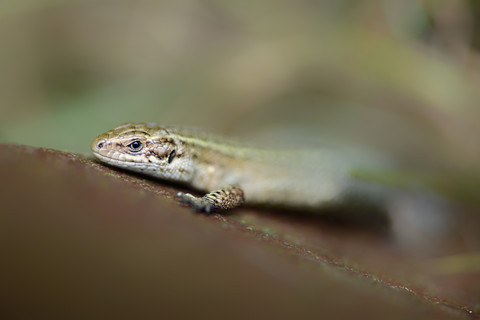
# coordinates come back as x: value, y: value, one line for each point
x: 115, y: 162
x: 105, y: 158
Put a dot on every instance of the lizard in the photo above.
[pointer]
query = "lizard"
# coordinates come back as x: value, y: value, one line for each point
x: 338, y: 182
x: 231, y: 173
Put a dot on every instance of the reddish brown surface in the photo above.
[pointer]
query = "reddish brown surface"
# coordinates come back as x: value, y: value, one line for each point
x: 79, y: 239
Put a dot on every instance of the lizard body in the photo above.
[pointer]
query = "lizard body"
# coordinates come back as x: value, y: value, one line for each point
x: 232, y: 173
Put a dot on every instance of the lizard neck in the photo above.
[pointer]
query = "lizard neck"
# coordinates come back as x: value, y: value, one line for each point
x: 202, y: 143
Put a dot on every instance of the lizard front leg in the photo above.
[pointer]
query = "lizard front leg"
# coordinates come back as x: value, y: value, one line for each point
x: 221, y: 199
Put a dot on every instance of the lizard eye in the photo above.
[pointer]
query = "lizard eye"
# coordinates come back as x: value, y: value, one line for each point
x: 135, y: 146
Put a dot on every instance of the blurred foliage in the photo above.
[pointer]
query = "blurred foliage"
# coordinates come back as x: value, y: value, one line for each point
x: 399, y: 75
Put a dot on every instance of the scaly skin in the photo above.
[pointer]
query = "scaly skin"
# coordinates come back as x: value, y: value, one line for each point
x: 232, y: 173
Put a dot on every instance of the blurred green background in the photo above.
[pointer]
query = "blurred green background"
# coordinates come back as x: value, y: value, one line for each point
x: 401, y: 75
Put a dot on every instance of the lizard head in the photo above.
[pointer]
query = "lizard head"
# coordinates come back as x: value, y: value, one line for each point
x: 146, y: 148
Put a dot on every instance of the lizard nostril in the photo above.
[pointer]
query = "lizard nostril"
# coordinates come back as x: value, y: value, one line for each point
x: 100, y: 145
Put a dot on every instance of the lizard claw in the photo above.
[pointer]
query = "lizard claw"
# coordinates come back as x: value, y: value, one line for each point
x: 197, y: 204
